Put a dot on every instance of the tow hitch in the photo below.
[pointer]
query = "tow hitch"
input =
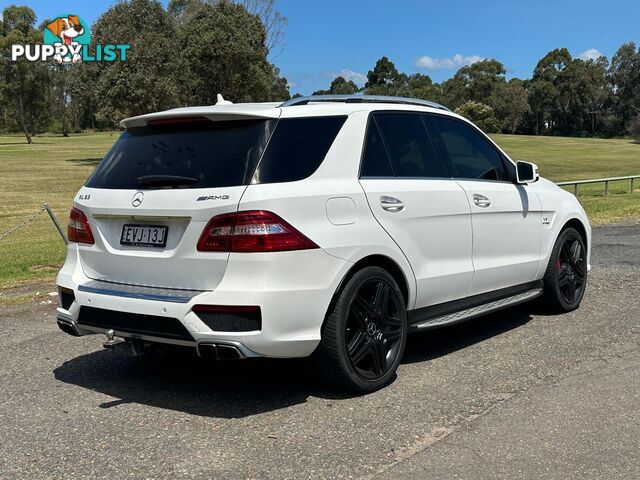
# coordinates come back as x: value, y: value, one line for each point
x: 133, y: 347
x: 111, y: 343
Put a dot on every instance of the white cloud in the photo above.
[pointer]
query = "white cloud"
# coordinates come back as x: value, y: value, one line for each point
x: 357, y: 77
x: 590, y: 54
x: 457, y: 61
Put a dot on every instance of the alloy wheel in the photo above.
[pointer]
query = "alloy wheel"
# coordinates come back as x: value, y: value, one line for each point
x: 374, y: 329
x: 571, y: 270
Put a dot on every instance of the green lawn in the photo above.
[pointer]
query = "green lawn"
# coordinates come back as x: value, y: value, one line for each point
x: 50, y: 170
x: 561, y: 158
x: 53, y: 169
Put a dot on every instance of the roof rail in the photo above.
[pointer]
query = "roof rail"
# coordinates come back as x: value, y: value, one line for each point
x: 362, y: 99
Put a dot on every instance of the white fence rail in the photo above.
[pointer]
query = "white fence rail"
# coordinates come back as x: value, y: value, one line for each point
x: 606, y: 181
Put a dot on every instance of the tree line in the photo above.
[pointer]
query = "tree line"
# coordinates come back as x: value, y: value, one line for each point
x: 182, y: 55
x: 565, y: 95
x: 187, y: 53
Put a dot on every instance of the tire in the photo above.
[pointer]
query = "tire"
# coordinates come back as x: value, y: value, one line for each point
x: 565, y: 279
x: 365, y: 332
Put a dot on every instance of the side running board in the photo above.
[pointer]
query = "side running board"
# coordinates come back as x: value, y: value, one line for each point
x: 475, y: 311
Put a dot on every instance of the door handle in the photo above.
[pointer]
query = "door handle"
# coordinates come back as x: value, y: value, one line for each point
x: 481, y: 200
x: 391, y: 204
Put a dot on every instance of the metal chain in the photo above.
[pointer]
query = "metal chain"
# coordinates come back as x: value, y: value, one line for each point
x: 27, y: 220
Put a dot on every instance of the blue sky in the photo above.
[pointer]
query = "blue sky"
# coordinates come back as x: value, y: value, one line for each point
x: 331, y: 37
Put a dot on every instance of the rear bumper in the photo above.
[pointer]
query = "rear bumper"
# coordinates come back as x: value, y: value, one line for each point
x: 292, y: 289
x: 219, y: 349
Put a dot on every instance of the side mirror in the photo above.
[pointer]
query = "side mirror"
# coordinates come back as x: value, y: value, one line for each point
x: 526, y: 172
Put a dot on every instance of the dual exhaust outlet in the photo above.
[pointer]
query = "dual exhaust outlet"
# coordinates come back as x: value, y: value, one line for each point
x: 214, y: 351
x: 219, y: 351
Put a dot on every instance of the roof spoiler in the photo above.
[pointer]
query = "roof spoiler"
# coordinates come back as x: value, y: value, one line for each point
x: 226, y: 113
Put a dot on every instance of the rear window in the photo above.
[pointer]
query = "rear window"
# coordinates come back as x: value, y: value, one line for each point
x: 297, y: 148
x: 217, y: 154
x: 191, y: 155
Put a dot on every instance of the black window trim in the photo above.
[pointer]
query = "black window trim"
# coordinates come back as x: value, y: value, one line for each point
x: 430, y: 131
x: 363, y: 150
x: 252, y: 177
x: 510, y: 178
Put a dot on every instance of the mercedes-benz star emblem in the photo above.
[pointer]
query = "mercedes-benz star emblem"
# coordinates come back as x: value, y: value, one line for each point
x: 371, y: 328
x: 137, y: 199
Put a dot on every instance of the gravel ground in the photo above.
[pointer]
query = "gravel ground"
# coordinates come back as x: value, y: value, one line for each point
x: 515, y: 394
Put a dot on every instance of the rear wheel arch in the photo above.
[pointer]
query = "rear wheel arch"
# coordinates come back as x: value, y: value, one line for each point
x: 381, y: 261
x: 385, y: 263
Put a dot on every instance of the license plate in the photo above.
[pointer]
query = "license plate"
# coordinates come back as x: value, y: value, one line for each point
x: 144, y: 235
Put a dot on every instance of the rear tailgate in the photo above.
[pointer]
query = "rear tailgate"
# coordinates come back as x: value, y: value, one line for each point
x: 177, y: 265
x: 151, y: 197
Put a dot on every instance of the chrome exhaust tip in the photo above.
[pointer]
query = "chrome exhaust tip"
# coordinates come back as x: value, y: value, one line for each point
x: 67, y: 327
x: 228, y: 352
x: 208, y: 350
x: 219, y: 351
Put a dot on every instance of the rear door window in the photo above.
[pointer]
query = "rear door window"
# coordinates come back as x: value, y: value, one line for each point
x: 409, y: 146
x: 297, y: 148
x: 199, y: 154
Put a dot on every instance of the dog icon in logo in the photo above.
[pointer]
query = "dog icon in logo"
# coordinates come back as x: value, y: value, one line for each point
x: 67, y: 29
x: 136, y: 201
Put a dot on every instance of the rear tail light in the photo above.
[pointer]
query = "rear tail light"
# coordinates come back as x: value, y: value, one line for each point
x: 79, y: 230
x: 251, y: 231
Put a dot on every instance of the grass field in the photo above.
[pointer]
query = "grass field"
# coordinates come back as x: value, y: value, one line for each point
x: 561, y: 158
x: 53, y: 169
x: 50, y: 170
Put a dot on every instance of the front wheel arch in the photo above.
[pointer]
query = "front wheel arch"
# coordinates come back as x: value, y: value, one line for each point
x: 579, y: 226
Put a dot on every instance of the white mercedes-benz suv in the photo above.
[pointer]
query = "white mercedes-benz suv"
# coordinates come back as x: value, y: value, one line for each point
x: 329, y: 226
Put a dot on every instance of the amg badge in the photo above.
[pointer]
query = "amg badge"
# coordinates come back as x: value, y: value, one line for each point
x: 212, y: 197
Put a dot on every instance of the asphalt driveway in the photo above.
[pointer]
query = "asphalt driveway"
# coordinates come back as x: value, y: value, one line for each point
x: 516, y: 394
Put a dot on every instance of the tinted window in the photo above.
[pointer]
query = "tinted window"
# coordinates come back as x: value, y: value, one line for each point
x: 410, y: 148
x: 297, y: 148
x: 192, y: 155
x: 470, y: 154
x: 375, y: 161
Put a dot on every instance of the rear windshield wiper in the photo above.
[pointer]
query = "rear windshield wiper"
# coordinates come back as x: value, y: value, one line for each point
x: 165, y: 181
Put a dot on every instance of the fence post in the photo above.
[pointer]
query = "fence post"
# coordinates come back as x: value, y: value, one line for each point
x: 606, y: 187
x: 631, y: 187
x: 55, y: 222
x: 575, y: 189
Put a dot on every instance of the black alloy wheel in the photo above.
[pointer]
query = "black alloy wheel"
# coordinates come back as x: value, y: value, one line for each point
x: 365, y: 332
x: 565, y: 279
x: 571, y: 267
x: 374, y: 329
